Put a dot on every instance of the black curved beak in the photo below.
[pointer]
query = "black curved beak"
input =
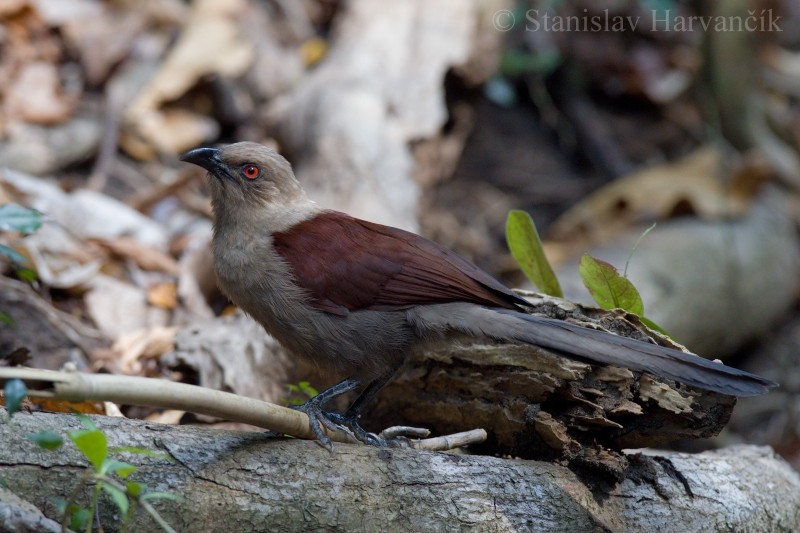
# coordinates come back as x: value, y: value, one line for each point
x: 207, y: 158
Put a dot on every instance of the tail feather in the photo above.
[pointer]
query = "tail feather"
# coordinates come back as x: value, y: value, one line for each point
x: 602, y: 347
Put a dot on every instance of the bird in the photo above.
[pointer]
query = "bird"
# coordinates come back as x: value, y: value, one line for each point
x: 357, y: 298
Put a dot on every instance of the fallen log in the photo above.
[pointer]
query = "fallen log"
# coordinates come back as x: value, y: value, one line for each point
x: 240, y: 481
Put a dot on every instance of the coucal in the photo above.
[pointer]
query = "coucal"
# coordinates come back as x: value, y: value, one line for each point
x: 357, y: 297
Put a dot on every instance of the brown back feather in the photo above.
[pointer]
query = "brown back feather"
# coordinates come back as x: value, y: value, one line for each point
x: 349, y: 264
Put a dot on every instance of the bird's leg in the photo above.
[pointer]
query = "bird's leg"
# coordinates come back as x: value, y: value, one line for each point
x: 316, y: 414
x: 350, y: 418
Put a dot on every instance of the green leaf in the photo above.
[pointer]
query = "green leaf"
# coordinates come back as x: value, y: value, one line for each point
x: 85, y: 421
x: 6, y: 319
x: 608, y: 288
x: 160, y: 496
x: 93, y: 445
x: 526, y: 247
x: 13, y: 255
x: 14, y: 391
x: 46, y: 440
x: 14, y: 217
x: 306, y: 387
x: 121, y: 468
x: 142, y: 451
x: 26, y: 274
x: 135, y: 489
x: 652, y: 325
x: 515, y: 63
x: 119, y: 497
x: 79, y: 518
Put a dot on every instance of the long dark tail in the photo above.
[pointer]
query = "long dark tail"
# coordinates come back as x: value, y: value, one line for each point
x: 598, y: 346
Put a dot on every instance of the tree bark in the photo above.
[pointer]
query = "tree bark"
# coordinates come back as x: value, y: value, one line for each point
x: 236, y: 481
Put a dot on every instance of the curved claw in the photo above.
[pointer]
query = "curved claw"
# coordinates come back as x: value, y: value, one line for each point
x: 317, y: 418
x: 351, y: 422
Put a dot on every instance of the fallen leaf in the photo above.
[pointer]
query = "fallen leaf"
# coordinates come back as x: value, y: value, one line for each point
x: 146, y: 257
x: 170, y: 416
x: 163, y: 295
x: 63, y: 406
x: 313, y: 50
x: 36, y: 96
x: 57, y: 12
x: 211, y: 43
x: 151, y: 343
x: 118, y: 308
x: 103, y: 38
x: 11, y: 7
x: 87, y: 214
x: 692, y: 185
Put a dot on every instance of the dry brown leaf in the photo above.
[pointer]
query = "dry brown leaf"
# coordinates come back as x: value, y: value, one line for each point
x: 86, y: 214
x: 11, y: 7
x: 60, y: 259
x: 170, y: 416
x: 174, y: 130
x: 103, y: 39
x: 152, y: 343
x: 691, y: 185
x: 211, y: 43
x: 57, y: 12
x: 119, y: 308
x: 163, y: 295
x: 63, y: 406
x: 36, y: 96
x: 146, y: 257
x: 313, y: 51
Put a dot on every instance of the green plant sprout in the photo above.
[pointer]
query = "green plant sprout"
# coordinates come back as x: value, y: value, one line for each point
x: 301, y: 392
x: 104, y: 475
x: 609, y: 288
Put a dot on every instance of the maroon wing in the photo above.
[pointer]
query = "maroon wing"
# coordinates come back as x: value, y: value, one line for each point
x: 349, y: 264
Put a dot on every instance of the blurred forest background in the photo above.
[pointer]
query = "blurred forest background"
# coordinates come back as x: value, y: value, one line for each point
x: 438, y: 116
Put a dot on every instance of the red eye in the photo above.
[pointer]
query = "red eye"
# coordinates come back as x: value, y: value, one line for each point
x: 251, y: 172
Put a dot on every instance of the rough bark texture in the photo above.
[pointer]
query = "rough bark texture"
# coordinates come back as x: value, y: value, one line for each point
x: 535, y: 404
x: 234, y: 481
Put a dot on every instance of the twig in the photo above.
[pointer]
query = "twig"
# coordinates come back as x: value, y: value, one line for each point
x: 130, y: 390
x: 449, y: 442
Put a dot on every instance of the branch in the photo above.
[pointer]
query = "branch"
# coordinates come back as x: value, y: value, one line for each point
x: 129, y: 390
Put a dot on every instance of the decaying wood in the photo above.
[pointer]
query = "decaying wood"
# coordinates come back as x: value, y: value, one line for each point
x: 236, y: 481
x: 536, y: 404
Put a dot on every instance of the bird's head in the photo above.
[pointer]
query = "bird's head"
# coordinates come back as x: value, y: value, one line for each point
x: 246, y: 175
